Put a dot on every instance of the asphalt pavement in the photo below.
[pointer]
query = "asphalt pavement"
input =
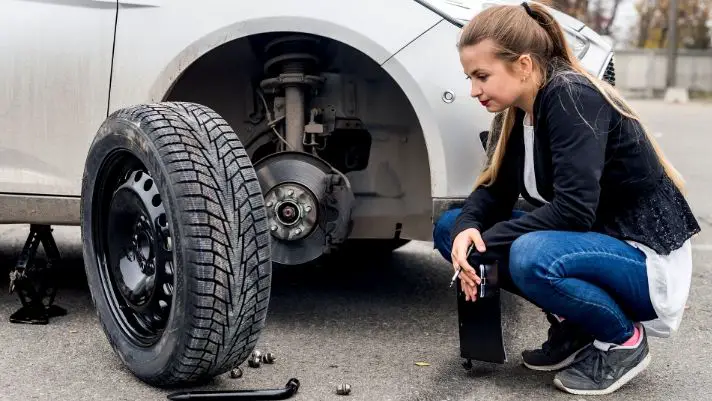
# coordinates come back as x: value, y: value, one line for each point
x: 367, y: 323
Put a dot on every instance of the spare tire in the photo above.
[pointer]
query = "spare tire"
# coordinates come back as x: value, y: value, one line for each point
x: 175, y: 242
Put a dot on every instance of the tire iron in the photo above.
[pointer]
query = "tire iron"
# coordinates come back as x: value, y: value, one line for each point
x: 228, y: 395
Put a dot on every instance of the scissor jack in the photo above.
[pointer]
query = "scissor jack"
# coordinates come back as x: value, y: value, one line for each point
x: 35, y: 283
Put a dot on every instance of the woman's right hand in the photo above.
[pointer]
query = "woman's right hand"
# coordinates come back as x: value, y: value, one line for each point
x: 460, y: 246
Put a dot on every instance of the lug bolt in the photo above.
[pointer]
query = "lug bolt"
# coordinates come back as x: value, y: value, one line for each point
x: 290, y: 192
x: 269, y: 204
x: 343, y: 389
x: 273, y: 228
x: 307, y: 208
x: 236, y: 373
x: 298, y: 231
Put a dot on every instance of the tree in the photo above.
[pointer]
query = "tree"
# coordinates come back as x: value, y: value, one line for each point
x: 693, y: 23
x: 599, y: 15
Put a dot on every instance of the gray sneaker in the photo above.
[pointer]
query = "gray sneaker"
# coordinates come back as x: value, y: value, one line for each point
x: 598, y: 371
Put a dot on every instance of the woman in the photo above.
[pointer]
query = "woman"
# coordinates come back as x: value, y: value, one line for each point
x: 608, y: 246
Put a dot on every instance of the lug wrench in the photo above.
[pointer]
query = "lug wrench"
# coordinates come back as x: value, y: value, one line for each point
x: 269, y: 394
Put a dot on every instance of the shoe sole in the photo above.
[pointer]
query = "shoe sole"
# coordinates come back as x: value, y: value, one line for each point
x: 566, y: 362
x: 613, y: 387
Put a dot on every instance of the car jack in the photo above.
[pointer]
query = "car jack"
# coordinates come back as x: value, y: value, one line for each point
x: 35, y: 284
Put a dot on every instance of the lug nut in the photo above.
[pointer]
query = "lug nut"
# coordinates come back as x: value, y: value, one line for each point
x: 268, y: 358
x: 290, y: 192
x: 254, y: 362
x: 269, y: 204
x: 236, y: 373
x: 343, y: 389
x: 298, y: 231
x: 307, y: 208
x: 273, y: 228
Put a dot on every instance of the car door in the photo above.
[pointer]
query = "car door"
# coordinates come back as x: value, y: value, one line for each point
x: 55, y: 68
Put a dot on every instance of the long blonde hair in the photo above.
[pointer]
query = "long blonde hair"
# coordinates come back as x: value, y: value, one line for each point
x: 515, y: 32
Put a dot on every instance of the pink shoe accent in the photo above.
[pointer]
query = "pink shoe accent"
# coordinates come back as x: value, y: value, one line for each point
x: 634, y: 339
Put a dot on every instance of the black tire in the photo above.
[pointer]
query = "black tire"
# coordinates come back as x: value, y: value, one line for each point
x: 218, y: 257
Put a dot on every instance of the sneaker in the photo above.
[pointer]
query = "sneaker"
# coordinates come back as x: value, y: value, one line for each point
x: 604, y: 368
x: 565, y: 341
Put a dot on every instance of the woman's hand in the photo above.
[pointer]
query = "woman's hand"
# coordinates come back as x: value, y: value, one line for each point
x: 460, y: 247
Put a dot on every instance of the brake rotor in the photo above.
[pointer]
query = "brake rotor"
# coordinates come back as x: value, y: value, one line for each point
x: 305, y: 213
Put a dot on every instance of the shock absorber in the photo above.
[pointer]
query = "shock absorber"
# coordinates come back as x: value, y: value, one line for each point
x: 292, y: 65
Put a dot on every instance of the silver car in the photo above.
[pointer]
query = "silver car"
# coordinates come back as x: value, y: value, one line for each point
x: 197, y: 143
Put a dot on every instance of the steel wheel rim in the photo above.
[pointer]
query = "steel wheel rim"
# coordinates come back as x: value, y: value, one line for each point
x: 133, y: 247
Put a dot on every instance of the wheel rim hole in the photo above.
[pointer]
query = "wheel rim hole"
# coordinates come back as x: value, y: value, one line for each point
x: 162, y: 219
x: 148, y: 184
x: 138, y: 176
x: 156, y: 200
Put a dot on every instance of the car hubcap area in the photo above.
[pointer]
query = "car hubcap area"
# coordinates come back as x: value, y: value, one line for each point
x: 292, y: 211
x: 136, y: 258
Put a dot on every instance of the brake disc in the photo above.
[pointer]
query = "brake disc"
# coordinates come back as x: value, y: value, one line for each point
x: 308, y: 205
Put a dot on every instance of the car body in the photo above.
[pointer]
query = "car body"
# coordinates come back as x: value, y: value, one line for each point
x: 390, y: 66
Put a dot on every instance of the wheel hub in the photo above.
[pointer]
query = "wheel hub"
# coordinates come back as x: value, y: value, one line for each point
x: 142, y: 247
x: 291, y: 210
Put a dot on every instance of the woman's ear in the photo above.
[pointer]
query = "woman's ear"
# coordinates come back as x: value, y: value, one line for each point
x: 525, y: 67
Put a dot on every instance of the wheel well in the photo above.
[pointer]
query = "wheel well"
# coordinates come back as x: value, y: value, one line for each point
x: 391, y: 177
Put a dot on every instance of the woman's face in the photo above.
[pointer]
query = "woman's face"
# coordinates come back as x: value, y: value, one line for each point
x: 495, y: 83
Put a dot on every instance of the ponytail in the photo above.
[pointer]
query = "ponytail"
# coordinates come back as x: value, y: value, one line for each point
x: 559, y: 48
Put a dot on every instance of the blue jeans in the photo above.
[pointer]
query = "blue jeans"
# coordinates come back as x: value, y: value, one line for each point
x: 591, y: 279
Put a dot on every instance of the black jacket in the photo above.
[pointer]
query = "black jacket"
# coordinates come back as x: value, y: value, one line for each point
x: 597, y: 170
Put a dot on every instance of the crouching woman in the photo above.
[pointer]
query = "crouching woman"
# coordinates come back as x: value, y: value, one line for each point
x: 608, y: 246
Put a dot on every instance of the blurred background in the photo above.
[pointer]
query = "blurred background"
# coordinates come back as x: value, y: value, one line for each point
x: 643, y: 33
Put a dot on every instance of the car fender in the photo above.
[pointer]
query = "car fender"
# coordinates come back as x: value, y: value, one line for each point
x: 144, y: 71
x: 451, y: 125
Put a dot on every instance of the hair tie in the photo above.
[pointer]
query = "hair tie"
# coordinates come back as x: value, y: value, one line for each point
x: 529, y: 10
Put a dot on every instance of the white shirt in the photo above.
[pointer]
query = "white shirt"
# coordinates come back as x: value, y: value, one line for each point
x: 669, y: 276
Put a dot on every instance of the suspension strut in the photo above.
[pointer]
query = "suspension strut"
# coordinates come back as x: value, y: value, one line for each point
x: 292, y: 65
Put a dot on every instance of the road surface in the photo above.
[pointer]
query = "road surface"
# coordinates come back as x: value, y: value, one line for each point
x: 366, y: 323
